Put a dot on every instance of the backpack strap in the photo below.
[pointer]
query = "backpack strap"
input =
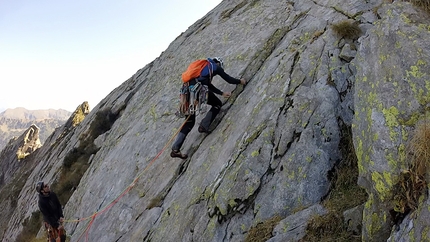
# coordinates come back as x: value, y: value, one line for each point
x: 210, y: 71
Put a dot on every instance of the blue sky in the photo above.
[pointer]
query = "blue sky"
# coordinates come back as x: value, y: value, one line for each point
x: 58, y: 54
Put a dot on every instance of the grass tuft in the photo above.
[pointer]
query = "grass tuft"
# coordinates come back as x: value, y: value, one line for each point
x: 423, y: 4
x: 155, y: 202
x: 262, y: 231
x: 412, y: 184
x: 347, y: 29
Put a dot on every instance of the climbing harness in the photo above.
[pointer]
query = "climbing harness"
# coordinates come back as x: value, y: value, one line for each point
x: 54, y: 235
x: 192, y: 99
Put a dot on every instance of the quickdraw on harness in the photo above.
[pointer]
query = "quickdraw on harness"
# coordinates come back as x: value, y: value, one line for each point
x: 192, y: 99
x: 198, y: 97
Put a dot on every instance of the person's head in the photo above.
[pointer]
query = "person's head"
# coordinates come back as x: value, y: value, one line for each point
x: 219, y: 61
x: 42, y: 188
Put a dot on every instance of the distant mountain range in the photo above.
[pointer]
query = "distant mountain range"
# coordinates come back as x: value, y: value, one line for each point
x: 13, y: 122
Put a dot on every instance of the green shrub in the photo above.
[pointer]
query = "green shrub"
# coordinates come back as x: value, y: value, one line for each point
x: 76, y: 162
x: 31, y: 226
x: 75, y: 165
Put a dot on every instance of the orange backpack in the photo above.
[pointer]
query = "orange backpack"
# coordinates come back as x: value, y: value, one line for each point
x: 193, y: 70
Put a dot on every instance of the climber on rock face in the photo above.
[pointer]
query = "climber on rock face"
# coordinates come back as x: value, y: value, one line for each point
x: 215, y: 67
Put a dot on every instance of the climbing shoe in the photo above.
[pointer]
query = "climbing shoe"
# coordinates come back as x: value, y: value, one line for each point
x: 203, y: 130
x: 178, y: 154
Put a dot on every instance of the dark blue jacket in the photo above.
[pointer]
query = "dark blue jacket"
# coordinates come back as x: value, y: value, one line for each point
x: 212, y: 70
x: 51, y: 209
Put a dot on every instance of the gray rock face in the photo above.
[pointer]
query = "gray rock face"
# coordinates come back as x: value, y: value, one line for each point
x: 392, y: 96
x: 274, y: 142
x: 293, y: 228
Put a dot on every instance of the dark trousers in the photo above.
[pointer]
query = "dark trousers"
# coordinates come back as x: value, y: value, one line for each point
x: 215, y: 104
